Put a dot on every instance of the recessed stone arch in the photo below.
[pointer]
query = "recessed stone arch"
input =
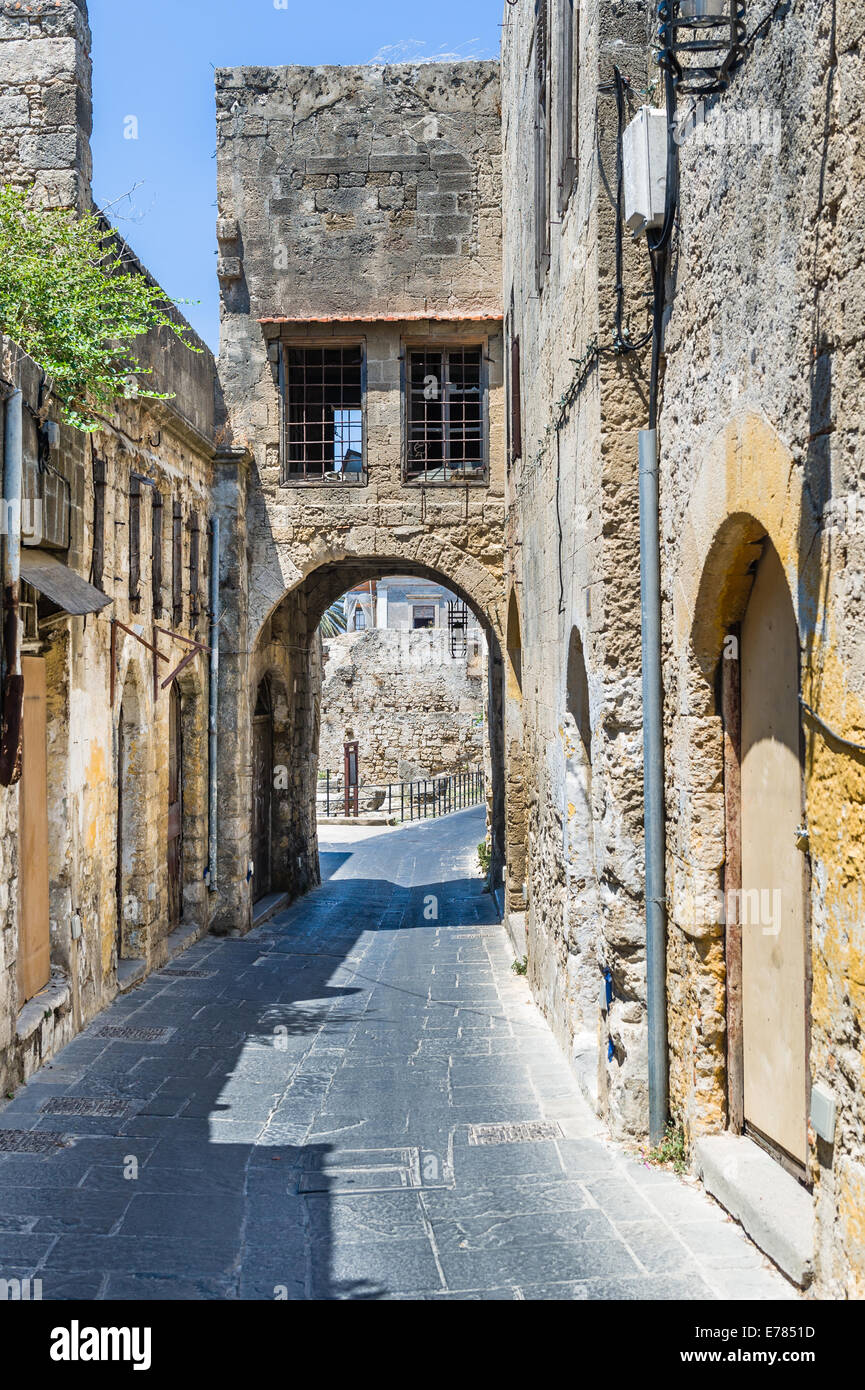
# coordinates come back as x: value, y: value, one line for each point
x: 128, y: 936
x: 194, y: 733
x: 748, y: 494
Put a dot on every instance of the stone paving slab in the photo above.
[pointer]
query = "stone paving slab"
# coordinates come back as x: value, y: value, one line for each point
x: 306, y: 1127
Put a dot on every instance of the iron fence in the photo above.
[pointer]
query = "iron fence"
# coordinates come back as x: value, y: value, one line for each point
x: 424, y: 799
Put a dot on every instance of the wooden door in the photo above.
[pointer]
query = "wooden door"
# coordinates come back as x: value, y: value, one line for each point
x: 262, y: 790
x: 34, y: 948
x: 772, y: 902
x: 175, y: 808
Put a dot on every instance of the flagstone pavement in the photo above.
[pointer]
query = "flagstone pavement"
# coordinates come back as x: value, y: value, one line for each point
x: 357, y: 1100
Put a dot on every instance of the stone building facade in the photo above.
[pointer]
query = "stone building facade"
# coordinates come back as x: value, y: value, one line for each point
x: 104, y: 848
x: 359, y: 227
x: 573, y: 720
x: 760, y: 514
x: 398, y: 602
x: 761, y: 484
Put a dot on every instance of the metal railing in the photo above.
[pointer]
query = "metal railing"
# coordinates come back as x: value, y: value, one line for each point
x: 424, y: 799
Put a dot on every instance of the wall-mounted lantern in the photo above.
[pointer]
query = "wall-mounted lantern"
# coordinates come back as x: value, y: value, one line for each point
x: 701, y: 41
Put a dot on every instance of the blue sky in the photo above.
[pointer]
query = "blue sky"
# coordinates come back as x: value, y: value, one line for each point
x: 154, y: 62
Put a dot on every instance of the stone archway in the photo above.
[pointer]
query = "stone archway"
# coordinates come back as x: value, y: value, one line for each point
x: 286, y: 649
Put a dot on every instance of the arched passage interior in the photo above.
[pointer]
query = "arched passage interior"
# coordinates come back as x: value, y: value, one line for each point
x: 286, y: 653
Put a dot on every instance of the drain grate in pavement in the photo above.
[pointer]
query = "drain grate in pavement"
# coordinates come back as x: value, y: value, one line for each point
x: 83, y: 1105
x: 527, y: 1132
x: 364, y: 1170
x: 188, y: 974
x: 28, y: 1141
x: 125, y: 1034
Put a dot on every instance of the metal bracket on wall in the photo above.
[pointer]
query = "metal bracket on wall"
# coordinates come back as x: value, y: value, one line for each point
x: 190, y: 656
x: 115, y: 624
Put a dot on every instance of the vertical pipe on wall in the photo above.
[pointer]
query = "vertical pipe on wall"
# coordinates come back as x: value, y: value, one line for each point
x: 213, y: 734
x: 653, y: 785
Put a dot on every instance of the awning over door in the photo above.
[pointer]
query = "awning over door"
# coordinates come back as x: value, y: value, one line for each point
x: 59, y: 583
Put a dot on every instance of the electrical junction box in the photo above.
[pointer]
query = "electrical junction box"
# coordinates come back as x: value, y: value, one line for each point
x: 823, y: 1113
x: 644, y: 164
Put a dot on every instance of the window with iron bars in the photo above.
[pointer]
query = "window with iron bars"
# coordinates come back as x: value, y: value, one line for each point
x: 446, y: 420
x: 323, y: 433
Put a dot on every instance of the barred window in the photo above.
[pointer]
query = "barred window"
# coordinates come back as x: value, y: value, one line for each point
x: 177, y: 562
x: 97, y: 564
x: 445, y: 415
x: 324, y: 413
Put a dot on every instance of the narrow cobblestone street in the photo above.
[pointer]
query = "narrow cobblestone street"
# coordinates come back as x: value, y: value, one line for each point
x: 293, y: 1115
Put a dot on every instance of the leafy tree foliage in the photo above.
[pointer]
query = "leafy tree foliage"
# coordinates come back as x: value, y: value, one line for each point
x: 69, y: 298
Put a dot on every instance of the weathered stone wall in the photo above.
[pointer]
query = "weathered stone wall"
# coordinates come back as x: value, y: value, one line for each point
x: 414, y: 709
x: 83, y: 728
x: 574, y: 736
x: 344, y: 180
x: 761, y: 437
x: 318, y: 169
x: 45, y: 101
x: 168, y: 446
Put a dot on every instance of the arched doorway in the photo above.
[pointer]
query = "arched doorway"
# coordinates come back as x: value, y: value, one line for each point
x: 175, y: 807
x: 773, y: 868
x: 262, y: 789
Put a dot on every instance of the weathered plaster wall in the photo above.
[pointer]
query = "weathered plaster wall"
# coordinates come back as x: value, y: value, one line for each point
x: 318, y: 171
x: 83, y: 728
x: 414, y: 709
x: 573, y: 565
x: 760, y: 436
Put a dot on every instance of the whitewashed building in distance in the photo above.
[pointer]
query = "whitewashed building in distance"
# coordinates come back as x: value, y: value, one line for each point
x: 405, y: 604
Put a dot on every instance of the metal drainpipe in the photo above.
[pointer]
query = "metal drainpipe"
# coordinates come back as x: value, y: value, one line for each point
x: 653, y: 785
x: 13, y: 683
x: 654, y: 809
x: 213, y: 736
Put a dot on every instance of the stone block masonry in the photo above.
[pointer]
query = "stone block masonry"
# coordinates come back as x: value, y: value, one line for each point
x: 573, y: 718
x: 361, y: 178
x: 45, y: 102
x: 359, y: 208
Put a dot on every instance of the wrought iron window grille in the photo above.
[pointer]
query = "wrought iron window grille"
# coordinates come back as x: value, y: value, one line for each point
x: 446, y: 392
x: 323, y: 435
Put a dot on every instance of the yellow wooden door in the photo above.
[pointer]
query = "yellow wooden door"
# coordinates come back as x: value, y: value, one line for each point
x: 772, y: 908
x: 34, y: 965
